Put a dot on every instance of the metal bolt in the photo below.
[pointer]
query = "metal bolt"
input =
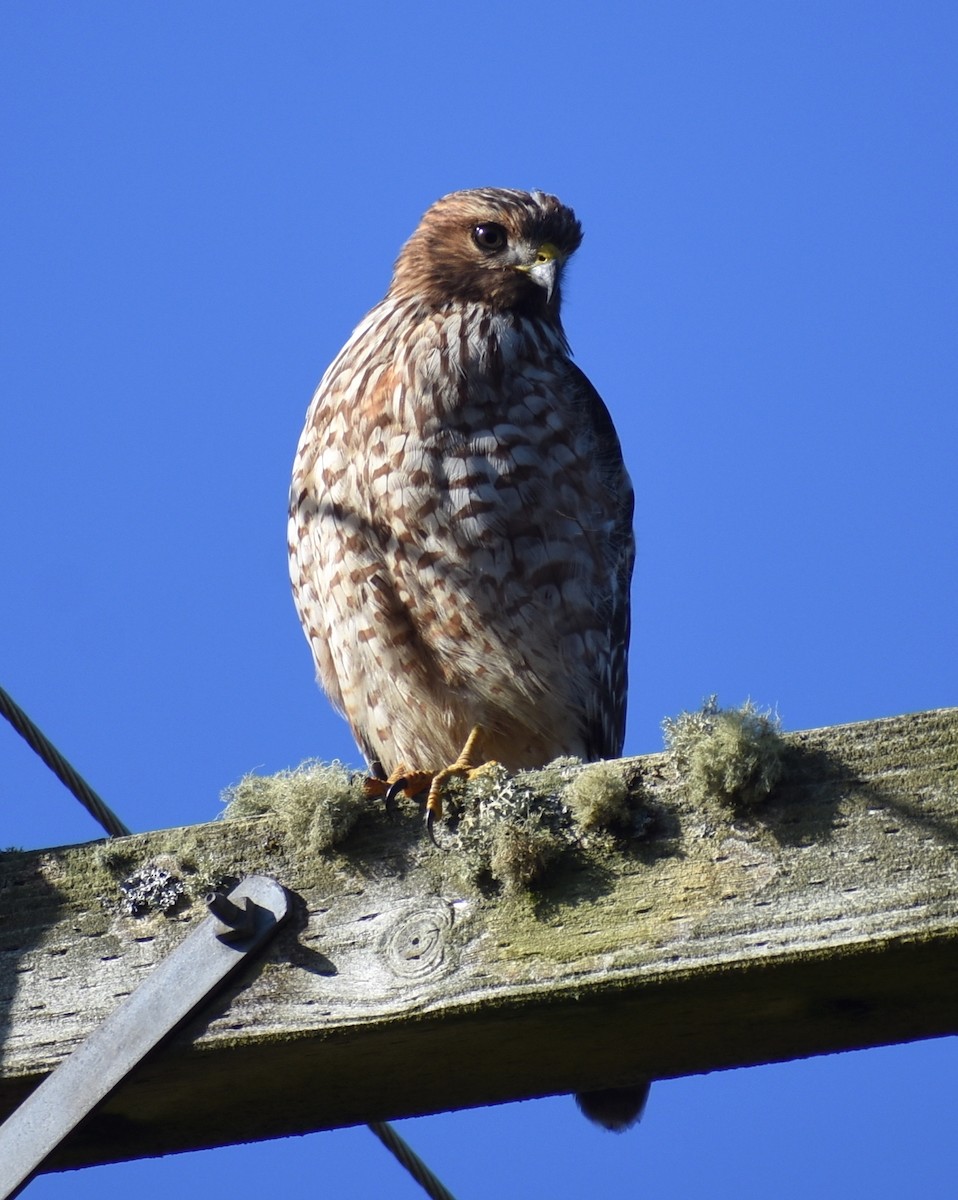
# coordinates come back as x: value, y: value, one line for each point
x: 239, y: 920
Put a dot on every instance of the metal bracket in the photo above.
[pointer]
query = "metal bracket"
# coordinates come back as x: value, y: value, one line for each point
x: 238, y: 925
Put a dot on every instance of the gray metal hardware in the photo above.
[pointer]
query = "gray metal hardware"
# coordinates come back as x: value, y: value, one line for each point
x: 238, y: 925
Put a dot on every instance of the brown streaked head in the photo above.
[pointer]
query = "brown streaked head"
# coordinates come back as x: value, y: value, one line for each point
x: 493, y: 246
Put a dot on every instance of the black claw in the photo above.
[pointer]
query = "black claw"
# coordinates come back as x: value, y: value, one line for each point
x: 392, y: 794
x: 430, y: 822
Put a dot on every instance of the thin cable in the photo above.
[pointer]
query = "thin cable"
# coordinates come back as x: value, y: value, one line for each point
x: 60, y: 767
x: 411, y: 1161
x: 71, y: 779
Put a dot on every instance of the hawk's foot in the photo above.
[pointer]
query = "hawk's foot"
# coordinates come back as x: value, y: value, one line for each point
x: 402, y: 782
x: 469, y: 764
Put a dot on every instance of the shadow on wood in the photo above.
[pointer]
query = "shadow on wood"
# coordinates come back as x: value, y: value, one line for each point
x: 825, y: 920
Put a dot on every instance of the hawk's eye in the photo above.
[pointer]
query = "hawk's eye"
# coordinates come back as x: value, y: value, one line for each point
x: 490, y: 237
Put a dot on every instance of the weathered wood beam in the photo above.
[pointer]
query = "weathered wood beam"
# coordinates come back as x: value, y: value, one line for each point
x: 825, y: 920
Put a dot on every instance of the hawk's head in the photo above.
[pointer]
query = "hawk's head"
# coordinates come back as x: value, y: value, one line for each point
x: 494, y: 246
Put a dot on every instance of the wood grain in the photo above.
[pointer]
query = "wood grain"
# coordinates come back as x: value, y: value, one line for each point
x: 825, y: 920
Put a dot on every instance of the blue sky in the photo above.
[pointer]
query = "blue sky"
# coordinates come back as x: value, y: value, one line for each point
x: 201, y: 200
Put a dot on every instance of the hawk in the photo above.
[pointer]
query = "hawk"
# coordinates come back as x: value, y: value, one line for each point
x: 460, y: 526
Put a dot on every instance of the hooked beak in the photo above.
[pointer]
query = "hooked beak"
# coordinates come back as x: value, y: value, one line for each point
x: 544, y: 269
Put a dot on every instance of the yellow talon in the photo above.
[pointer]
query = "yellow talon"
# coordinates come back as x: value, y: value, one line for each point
x: 469, y: 764
x: 402, y: 781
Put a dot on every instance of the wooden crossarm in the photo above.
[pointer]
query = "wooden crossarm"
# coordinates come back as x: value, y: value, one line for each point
x: 825, y: 919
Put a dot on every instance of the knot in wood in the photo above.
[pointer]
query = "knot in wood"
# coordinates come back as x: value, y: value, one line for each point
x: 418, y: 943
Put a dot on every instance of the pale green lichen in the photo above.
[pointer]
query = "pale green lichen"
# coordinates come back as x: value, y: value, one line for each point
x: 513, y: 827
x: 113, y: 856
x: 503, y: 828
x: 733, y: 755
x: 317, y: 803
x: 599, y: 798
